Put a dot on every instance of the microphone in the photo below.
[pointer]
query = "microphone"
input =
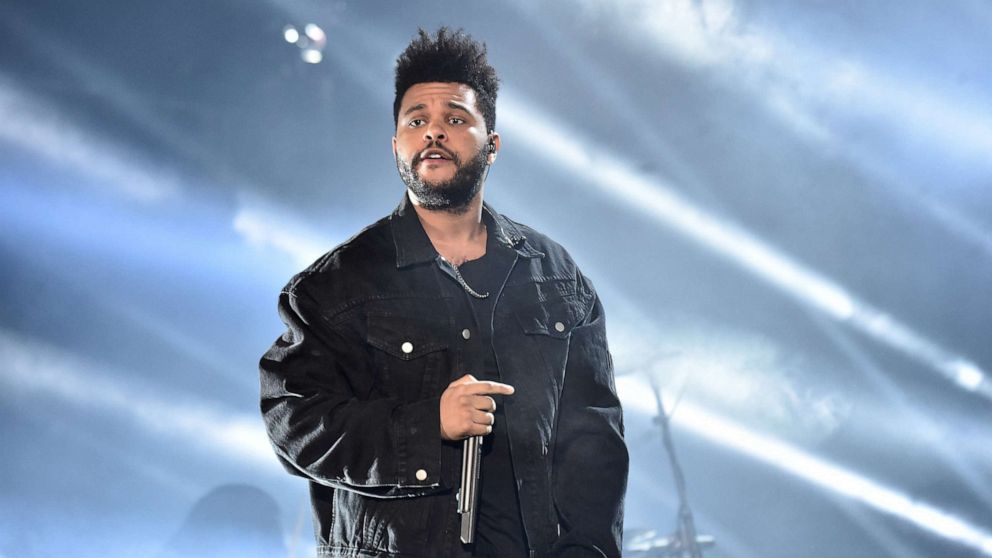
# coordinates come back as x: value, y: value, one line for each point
x: 468, y: 494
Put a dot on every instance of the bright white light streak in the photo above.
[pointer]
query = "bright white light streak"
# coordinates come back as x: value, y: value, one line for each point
x: 37, y: 367
x: 637, y: 396
x: 801, y: 85
x: 594, y: 165
x: 968, y: 375
x: 959, y: 123
x: 267, y: 228
x: 697, y: 32
x: 48, y: 134
x: 706, y: 33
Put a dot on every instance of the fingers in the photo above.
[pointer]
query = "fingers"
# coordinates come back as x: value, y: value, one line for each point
x: 484, y: 403
x: 471, y: 423
x: 474, y: 386
x: 477, y: 403
x: 483, y: 418
x: 467, y: 378
x: 481, y: 424
x: 479, y: 430
x: 485, y: 386
x: 467, y: 409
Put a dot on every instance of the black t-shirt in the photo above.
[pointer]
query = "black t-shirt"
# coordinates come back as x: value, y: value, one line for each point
x: 499, y: 528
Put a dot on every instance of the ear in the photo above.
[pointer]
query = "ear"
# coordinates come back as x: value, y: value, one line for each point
x: 494, y: 141
x: 394, y: 147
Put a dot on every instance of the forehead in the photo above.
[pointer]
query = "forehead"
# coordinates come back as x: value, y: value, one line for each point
x: 438, y: 93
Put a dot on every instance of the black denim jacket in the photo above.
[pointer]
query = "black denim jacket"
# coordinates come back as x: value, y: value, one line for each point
x: 350, y: 394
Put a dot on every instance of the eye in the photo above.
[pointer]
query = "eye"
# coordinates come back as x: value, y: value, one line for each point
x: 416, y: 123
x: 455, y: 120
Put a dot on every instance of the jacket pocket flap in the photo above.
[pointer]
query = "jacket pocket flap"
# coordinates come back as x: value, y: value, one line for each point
x: 553, y: 317
x: 401, y: 337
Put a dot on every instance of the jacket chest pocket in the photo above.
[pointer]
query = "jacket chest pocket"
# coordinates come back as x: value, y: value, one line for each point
x: 548, y: 325
x: 409, y: 354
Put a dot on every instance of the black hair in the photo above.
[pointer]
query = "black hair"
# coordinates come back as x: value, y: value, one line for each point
x: 448, y: 57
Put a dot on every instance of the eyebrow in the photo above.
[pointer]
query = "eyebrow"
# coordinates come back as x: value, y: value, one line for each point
x: 451, y: 104
x: 414, y: 108
x: 459, y: 106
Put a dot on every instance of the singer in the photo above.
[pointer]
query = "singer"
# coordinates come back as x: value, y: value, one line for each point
x: 441, y: 321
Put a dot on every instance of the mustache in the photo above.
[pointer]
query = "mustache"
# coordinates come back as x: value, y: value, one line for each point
x: 435, y: 146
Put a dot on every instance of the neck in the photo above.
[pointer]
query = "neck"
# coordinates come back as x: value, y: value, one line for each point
x: 458, y: 237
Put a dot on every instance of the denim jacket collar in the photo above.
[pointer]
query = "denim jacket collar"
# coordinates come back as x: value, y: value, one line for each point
x: 413, y: 245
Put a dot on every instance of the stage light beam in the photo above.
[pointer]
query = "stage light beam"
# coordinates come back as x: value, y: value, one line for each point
x: 637, y: 396
x: 595, y: 166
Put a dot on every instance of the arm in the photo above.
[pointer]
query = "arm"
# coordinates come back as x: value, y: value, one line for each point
x: 590, y: 459
x: 316, y: 386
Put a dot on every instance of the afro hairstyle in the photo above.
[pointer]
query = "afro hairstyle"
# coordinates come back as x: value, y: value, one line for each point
x: 448, y: 57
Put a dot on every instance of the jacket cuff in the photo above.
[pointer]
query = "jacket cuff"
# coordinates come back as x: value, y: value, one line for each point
x: 418, y: 443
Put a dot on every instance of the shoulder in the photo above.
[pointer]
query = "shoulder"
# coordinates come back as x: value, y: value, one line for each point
x: 555, y: 261
x: 555, y: 253
x: 362, y: 256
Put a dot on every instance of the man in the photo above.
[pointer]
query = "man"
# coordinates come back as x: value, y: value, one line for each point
x: 442, y: 321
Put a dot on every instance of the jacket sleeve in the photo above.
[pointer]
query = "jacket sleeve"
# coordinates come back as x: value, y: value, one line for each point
x: 316, y: 386
x: 590, y: 457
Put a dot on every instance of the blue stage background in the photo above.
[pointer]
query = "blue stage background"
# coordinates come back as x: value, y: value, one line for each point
x: 786, y: 207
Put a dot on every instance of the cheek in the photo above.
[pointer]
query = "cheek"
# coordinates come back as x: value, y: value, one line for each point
x: 405, y: 149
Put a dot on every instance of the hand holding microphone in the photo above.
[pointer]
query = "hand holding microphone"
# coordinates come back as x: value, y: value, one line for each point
x: 467, y: 408
x: 467, y: 412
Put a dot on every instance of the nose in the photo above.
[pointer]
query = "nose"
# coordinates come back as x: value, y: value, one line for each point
x: 435, y: 132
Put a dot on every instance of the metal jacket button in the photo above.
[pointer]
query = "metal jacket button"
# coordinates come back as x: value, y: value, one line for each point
x: 407, y: 347
x: 559, y: 327
x: 421, y: 475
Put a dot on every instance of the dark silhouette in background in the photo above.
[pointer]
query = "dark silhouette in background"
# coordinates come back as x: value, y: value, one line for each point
x: 230, y: 521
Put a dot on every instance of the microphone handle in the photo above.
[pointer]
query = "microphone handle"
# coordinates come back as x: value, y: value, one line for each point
x: 468, y: 494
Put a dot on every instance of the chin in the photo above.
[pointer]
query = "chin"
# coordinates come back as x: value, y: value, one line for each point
x: 438, y: 179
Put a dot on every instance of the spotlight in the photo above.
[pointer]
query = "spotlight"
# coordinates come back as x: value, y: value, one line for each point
x: 290, y: 34
x: 316, y: 35
x: 967, y: 375
x: 311, y: 56
x: 311, y: 43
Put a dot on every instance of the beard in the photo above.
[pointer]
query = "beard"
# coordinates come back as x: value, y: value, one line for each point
x: 453, y: 195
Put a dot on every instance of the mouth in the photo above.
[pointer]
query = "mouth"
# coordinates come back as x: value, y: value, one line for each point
x: 435, y: 156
